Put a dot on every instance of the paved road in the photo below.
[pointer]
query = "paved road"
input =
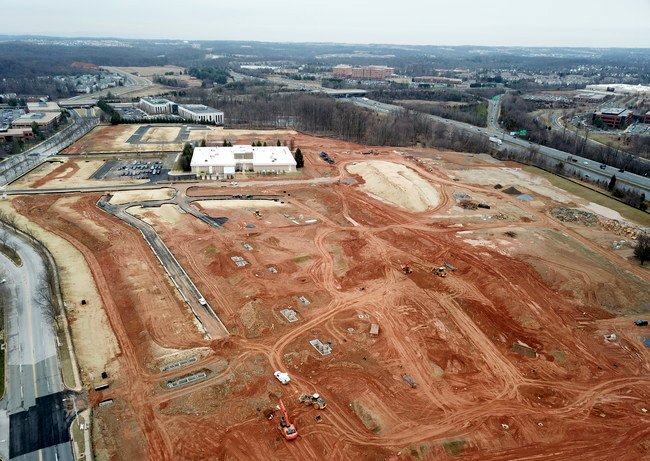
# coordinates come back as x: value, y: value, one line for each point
x: 33, y: 423
x: 203, y: 312
x: 167, y: 183
x: 583, y: 165
x: 17, y: 165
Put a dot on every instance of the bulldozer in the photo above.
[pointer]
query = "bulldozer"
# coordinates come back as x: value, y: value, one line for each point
x: 313, y: 399
x: 288, y: 430
x: 440, y: 271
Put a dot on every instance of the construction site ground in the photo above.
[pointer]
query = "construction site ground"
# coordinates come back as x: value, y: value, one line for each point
x: 507, y: 353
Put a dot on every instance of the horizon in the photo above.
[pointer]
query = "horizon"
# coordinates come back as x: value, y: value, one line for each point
x: 556, y: 24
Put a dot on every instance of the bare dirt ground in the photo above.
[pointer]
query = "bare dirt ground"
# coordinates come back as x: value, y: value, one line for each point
x: 130, y: 196
x: 63, y: 172
x: 508, y: 352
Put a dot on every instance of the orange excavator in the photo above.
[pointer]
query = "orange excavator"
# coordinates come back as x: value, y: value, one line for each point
x: 288, y: 430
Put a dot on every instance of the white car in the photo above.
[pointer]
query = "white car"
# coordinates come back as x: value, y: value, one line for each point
x: 282, y: 377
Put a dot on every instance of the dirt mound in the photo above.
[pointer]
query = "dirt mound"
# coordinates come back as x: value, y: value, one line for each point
x: 396, y: 184
x: 512, y: 191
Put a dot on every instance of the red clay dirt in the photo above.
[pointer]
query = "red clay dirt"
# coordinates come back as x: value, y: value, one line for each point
x: 578, y: 396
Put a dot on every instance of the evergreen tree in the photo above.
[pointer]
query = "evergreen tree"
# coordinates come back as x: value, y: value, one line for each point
x: 300, y: 162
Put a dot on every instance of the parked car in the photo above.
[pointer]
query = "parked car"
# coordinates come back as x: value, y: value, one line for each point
x: 282, y: 377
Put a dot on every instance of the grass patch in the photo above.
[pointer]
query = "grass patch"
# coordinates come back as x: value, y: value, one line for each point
x: 454, y: 447
x: 210, y: 250
x: 631, y: 213
x: 10, y: 253
x: 301, y: 259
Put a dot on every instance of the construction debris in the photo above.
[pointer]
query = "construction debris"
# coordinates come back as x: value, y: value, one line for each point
x: 468, y: 205
x: 410, y: 381
x: 406, y: 268
x: 304, y: 300
x: 572, y: 215
x: 620, y: 228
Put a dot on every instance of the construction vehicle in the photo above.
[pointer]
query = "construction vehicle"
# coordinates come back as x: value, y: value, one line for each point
x: 440, y: 271
x: 258, y: 215
x: 288, y: 430
x: 406, y: 268
x: 315, y: 400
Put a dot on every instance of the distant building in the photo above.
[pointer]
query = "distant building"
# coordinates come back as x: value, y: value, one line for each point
x: 157, y: 106
x: 614, y: 117
x: 590, y: 97
x: 199, y: 113
x: 43, y: 106
x: 44, y: 120
x: 434, y: 79
x: 362, y: 73
x: 621, y: 88
x: 223, y: 162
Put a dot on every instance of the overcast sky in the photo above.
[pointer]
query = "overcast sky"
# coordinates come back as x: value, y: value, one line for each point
x: 597, y: 23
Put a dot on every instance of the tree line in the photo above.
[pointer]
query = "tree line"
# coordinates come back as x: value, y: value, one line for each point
x: 515, y: 115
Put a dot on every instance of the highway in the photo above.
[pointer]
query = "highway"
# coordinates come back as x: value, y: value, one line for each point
x: 582, y: 165
x: 16, y: 165
x: 133, y: 83
x: 33, y: 422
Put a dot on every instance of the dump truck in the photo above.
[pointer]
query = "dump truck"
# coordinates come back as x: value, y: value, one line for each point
x: 313, y: 399
x: 495, y: 140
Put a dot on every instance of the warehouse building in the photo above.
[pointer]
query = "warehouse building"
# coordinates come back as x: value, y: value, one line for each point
x: 224, y: 162
x: 157, y: 106
x: 199, y: 113
x: 614, y: 117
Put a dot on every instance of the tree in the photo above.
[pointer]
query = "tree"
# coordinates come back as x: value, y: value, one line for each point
x: 259, y: 144
x: 225, y: 143
x: 300, y: 162
x: 37, y: 131
x: 278, y: 143
x: 642, y: 248
x: 291, y: 144
x: 612, y: 183
x: 115, y: 118
x: 186, y: 157
x: 203, y: 142
x: 264, y: 144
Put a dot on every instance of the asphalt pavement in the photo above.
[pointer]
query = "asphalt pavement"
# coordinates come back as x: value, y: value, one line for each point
x: 34, y: 388
x: 582, y: 165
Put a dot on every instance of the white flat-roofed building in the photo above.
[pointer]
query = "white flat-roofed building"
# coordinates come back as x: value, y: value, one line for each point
x: 43, y: 106
x: 223, y: 162
x: 200, y: 114
x: 157, y: 106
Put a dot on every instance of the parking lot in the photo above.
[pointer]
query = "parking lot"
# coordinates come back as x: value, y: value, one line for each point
x: 153, y: 169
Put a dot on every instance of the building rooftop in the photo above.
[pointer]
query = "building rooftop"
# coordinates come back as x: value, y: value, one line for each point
x: 41, y: 106
x: 620, y: 111
x: 199, y: 108
x: 41, y: 118
x: 156, y: 101
x: 225, y: 156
